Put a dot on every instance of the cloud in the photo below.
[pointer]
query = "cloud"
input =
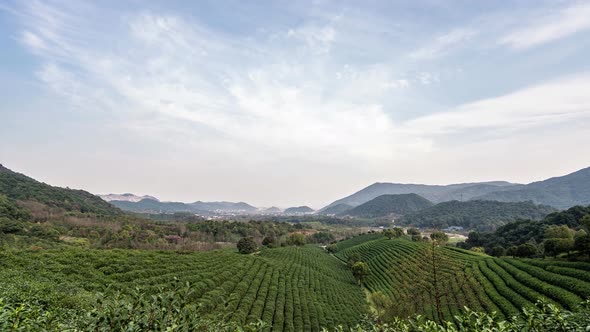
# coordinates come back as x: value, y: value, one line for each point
x: 334, y: 97
x: 556, y: 24
x: 237, y: 90
x: 563, y: 100
x: 444, y: 44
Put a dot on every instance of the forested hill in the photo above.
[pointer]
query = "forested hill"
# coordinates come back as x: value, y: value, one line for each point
x: 20, y: 187
x: 560, y: 192
x: 386, y: 205
x: 482, y: 215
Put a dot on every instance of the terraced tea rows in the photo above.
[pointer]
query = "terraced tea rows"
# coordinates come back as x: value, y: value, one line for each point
x: 292, y: 289
x: 403, y: 270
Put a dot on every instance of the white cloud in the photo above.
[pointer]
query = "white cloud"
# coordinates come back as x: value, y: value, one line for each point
x: 564, y: 100
x: 444, y: 44
x: 296, y: 97
x: 552, y: 26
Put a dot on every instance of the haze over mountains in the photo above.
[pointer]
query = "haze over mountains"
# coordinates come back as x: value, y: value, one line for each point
x: 559, y: 192
x: 153, y: 205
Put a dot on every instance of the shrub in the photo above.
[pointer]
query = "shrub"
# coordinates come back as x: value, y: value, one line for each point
x: 247, y: 245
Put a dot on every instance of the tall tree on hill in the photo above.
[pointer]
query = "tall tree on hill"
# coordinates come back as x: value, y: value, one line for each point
x: 360, y: 270
x: 433, y: 288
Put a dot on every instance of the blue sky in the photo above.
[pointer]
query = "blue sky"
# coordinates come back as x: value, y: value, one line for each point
x: 291, y: 102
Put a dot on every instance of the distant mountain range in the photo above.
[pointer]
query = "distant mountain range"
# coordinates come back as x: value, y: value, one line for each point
x: 152, y: 205
x: 126, y: 197
x: 559, y: 192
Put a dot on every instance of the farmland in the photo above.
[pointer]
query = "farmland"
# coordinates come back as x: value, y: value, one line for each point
x: 291, y: 289
x: 407, y: 272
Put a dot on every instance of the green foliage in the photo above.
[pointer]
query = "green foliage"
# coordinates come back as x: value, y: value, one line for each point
x: 439, y: 237
x: 481, y: 215
x: 320, y: 237
x: 269, y: 241
x: 555, y: 225
x: 247, y: 245
x: 582, y: 244
x: 401, y: 271
x: 296, y: 239
x: 527, y: 250
x: 396, y: 232
x: 498, y: 251
x: 360, y: 270
x: 556, y: 246
x: 303, y: 287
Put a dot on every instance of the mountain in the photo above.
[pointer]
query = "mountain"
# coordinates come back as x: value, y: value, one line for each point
x: 434, y: 193
x: 475, y: 214
x: 24, y: 189
x: 155, y: 206
x: 272, y: 209
x: 224, y: 206
x: 126, y: 197
x: 148, y: 205
x: 335, y: 209
x: 298, y: 210
x: 560, y: 192
x: 386, y: 205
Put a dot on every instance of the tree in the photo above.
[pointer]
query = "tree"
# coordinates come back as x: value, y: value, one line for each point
x: 439, y: 237
x: 413, y: 231
x: 296, y: 239
x: 388, y: 233
x: 586, y: 221
x: 269, y: 241
x: 382, y: 304
x: 556, y: 246
x: 526, y: 250
x: 478, y: 249
x: 582, y: 244
x: 247, y: 245
x: 332, y: 248
x: 431, y: 288
x: 360, y: 270
x: 498, y: 251
x: 352, y: 259
x: 321, y: 237
x: 559, y: 232
x: 512, y: 251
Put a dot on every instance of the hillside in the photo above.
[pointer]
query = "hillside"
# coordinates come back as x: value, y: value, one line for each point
x: 335, y: 209
x: 483, y: 215
x: 290, y: 289
x: 559, y: 192
x: 523, y: 231
x: 400, y: 270
x: 386, y: 205
x: 298, y: 210
x: 22, y: 188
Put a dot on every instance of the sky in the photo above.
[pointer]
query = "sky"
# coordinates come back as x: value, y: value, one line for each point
x: 291, y: 102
